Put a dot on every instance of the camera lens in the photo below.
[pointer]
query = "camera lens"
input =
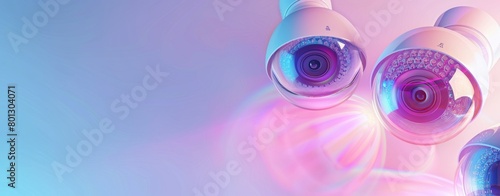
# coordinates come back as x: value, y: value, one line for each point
x: 317, y: 72
x: 316, y: 64
x: 422, y: 96
x: 418, y: 96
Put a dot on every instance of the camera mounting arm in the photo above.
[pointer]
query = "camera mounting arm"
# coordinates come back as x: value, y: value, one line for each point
x: 289, y: 6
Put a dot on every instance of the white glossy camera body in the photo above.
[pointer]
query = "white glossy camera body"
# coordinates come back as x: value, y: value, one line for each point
x: 313, y: 56
x: 431, y: 82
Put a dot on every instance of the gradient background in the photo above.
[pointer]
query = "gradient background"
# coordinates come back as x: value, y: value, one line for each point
x: 216, y: 96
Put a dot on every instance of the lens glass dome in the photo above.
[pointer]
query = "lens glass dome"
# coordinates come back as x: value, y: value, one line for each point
x: 317, y: 67
x: 424, y: 96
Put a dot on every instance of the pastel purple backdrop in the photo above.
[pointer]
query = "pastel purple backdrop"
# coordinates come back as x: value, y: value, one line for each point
x: 214, y: 124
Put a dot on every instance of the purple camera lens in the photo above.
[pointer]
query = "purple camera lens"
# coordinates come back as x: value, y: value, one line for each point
x: 316, y: 64
x: 317, y: 72
x: 422, y: 96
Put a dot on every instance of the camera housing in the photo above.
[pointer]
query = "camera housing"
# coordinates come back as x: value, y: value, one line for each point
x: 431, y: 82
x: 478, y: 172
x: 313, y: 56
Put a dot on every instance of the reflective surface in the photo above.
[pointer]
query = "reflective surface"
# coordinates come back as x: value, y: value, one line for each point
x: 423, y: 96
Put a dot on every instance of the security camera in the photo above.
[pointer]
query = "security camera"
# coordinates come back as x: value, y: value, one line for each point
x: 431, y: 82
x: 313, y: 56
x: 478, y: 172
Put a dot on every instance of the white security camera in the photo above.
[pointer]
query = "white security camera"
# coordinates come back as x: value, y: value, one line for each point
x: 478, y: 172
x: 313, y: 56
x: 431, y: 82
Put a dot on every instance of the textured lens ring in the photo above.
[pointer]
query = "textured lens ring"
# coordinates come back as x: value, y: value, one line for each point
x: 310, y: 58
x: 338, y: 48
